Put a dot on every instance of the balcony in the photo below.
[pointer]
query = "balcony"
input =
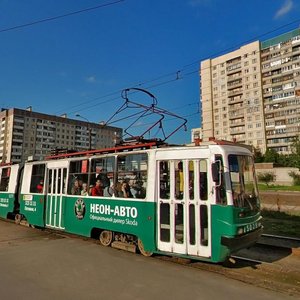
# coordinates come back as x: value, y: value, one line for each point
x: 235, y: 92
x: 237, y: 123
x: 233, y: 69
x: 234, y: 84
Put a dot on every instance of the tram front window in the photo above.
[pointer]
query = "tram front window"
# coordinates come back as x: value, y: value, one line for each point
x: 243, y: 182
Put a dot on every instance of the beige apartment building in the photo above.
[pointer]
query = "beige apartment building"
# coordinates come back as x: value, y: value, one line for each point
x: 25, y: 133
x: 252, y: 95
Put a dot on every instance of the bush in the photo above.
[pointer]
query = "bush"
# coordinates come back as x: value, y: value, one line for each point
x: 266, y: 177
x: 296, y: 177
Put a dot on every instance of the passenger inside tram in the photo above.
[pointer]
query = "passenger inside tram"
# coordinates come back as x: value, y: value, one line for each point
x: 76, y: 188
x: 97, y: 189
x: 108, y: 191
x: 84, y: 191
x: 123, y: 190
x: 102, y: 176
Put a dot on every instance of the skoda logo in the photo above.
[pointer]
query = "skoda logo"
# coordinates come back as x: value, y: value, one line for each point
x: 79, y: 209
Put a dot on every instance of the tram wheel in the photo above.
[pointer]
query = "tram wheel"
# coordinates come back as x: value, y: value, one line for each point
x: 142, y: 250
x: 105, y: 238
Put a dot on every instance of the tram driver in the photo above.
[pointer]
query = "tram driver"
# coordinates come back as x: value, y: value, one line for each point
x: 40, y: 187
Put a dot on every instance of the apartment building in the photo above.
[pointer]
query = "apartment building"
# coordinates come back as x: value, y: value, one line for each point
x: 250, y: 95
x: 280, y: 60
x: 25, y: 133
x: 196, y: 135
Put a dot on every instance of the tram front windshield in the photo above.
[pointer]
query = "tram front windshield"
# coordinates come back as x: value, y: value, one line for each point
x: 243, y: 182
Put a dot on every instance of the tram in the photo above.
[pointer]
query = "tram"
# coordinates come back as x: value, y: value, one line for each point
x: 199, y: 202
x: 9, y: 185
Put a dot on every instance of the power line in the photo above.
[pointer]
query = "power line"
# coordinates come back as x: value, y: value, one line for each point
x: 222, y: 52
x: 115, y: 98
x: 179, y: 74
x: 61, y: 16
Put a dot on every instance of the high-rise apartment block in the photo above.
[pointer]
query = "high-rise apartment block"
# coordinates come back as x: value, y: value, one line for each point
x: 252, y: 95
x: 25, y: 133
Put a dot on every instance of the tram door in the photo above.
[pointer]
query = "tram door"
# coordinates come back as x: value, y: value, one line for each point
x: 184, y: 207
x: 56, y: 177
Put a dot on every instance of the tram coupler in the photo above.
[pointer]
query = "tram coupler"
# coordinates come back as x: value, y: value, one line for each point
x: 18, y: 218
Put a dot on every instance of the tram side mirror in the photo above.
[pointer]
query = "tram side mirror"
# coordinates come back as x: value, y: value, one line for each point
x: 216, y: 172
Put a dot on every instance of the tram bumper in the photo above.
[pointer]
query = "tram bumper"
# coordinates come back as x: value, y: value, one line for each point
x: 243, y: 241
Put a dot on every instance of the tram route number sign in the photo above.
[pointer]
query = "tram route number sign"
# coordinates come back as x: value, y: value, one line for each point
x: 4, y: 202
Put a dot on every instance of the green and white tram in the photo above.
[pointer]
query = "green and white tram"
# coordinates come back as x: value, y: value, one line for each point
x: 199, y: 202
x: 9, y: 184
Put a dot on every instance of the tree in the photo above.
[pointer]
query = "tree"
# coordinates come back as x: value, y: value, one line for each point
x: 295, y: 176
x: 266, y: 177
x: 294, y: 158
x: 271, y: 156
x: 295, y: 146
x: 258, y: 157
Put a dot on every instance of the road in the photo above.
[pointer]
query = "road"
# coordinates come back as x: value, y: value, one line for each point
x: 39, y: 265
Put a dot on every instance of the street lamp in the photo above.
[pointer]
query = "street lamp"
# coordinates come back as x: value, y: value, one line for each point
x: 89, y: 129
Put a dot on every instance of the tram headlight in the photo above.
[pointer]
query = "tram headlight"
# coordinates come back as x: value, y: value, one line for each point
x: 240, y: 230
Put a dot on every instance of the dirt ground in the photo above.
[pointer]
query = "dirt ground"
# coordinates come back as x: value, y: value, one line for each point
x: 282, y: 275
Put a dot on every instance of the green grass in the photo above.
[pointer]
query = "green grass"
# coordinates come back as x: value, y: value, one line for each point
x: 264, y: 187
x: 280, y: 223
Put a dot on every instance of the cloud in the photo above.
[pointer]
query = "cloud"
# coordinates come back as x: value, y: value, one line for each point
x: 91, y: 79
x: 99, y: 81
x: 285, y: 9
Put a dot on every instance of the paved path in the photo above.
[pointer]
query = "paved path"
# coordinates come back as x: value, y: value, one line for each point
x: 39, y: 265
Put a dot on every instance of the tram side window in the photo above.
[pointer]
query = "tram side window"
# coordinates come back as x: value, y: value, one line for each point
x: 221, y: 197
x: 58, y: 185
x: 179, y: 184
x: 37, y: 178
x: 102, y: 170
x: 203, y: 179
x: 132, y: 176
x: 4, y: 179
x: 78, y: 177
x: 164, y: 180
x: 203, y: 225
x: 191, y: 180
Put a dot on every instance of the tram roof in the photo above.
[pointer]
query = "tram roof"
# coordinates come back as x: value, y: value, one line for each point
x: 141, y: 146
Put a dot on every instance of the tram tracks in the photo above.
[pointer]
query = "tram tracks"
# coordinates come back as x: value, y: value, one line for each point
x: 270, y: 264
x: 280, y: 241
x: 269, y: 249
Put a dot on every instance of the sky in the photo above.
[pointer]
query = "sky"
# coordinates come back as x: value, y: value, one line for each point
x: 79, y: 63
